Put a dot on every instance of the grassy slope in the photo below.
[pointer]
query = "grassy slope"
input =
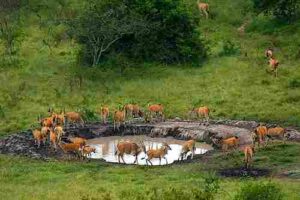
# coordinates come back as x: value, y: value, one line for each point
x: 234, y: 86
x: 21, y: 178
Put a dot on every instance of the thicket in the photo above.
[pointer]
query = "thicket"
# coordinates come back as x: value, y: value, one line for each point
x: 152, y: 30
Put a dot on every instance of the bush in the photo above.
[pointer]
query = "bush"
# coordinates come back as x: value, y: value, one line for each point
x: 229, y: 48
x: 294, y: 83
x: 259, y: 191
x: 153, y: 30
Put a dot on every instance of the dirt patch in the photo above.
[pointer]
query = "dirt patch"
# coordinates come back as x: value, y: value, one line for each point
x: 244, y: 172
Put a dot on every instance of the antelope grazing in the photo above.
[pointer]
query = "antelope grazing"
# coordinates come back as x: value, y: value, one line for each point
x: 188, y: 146
x: 273, y: 63
x: 202, y: 112
x: 203, y: 8
x: 53, y: 139
x: 88, y: 150
x: 269, y: 53
x: 156, y: 109
x: 119, y: 118
x: 157, y: 153
x: 39, y: 137
x: 74, y: 117
x: 128, y: 108
x: 260, y: 134
x: 59, y: 132
x: 128, y: 148
x: 248, y: 155
x: 45, y: 130
x: 230, y: 142
x: 104, y: 114
x: 59, y: 119
x: 276, y: 132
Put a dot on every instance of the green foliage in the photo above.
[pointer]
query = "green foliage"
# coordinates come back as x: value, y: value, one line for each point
x: 153, y: 30
x: 284, y: 10
x: 229, y: 48
x: 259, y: 191
x: 294, y: 83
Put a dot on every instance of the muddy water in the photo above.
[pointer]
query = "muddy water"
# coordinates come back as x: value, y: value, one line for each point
x: 106, y: 147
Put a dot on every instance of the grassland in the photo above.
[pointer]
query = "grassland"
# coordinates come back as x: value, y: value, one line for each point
x: 22, y: 178
x: 234, y: 85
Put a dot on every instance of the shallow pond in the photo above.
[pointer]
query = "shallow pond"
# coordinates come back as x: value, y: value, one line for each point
x: 106, y: 147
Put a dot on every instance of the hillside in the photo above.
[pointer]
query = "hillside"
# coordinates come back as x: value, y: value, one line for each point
x: 232, y: 81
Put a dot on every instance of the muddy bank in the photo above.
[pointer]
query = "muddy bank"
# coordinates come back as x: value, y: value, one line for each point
x: 22, y: 143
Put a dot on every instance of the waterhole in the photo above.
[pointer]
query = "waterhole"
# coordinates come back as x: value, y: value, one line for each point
x: 106, y: 148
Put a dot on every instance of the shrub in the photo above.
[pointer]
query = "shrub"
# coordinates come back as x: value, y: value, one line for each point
x: 294, y: 83
x: 259, y: 191
x: 229, y: 48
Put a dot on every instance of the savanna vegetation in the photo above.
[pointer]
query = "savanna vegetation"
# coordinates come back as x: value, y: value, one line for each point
x: 80, y: 55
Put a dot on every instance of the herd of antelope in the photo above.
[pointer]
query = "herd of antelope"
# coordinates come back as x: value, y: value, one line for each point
x: 52, y: 128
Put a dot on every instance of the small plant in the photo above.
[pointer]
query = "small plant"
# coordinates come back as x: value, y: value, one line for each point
x: 229, y: 48
x: 294, y: 83
x: 259, y: 191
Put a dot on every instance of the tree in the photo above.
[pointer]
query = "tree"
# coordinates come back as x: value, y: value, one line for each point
x: 284, y: 10
x: 101, y: 25
x: 152, y: 30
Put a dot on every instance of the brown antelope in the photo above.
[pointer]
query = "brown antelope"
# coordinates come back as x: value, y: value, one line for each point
x: 71, y: 148
x: 119, y: 118
x: 230, y: 142
x: 203, y: 8
x: 188, y: 146
x: 248, y: 155
x: 260, y: 134
x: 53, y: 139
x: 88, y: 150
x: 78, y: 140
x: 59, y: 119
x: 128, y: 148
x: 39, y: 137
x: 133, y: 110
x: 47, y: 122
x: 156, y: 109
x: 269, y: 53
x: 157, y: 153
x: 104, y: 114
x: 74, y: 117
x: 59, y: 132
x: 202, y: 112
x: 276, y: 132
x: 273, y: 63
x: 45, y: 130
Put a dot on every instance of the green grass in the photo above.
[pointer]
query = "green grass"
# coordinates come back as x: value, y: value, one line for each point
x: 22, y: 178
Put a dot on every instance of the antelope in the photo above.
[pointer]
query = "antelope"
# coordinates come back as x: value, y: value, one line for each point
x: 204, y: 8
x: 74, y: 117
x: 47, y: 122
x: 156, y: 109
x: 188, y: 146
x: 71, y: 148
x: 260, y: 134
x: 104, y: 113
x: 45, y: 130
x: 230, y: 142
x: 241, y: 29
x: 248, y: 155
x: 133, y: 110
x: 59, y: 132
x: 202, y: 112
x: 273, y: 63
x: 128, y: 148
x: 53, y: 139
x: 88, y: 150
x: 78, y: 140
x: 157, y: 153
x: 59, y: 119
x: 38, y: 137
x: 119, y: 118
x: 276, y: 132
x: 269, y: 53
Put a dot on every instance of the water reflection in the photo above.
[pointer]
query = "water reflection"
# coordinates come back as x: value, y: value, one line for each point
x: 106, y: 147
